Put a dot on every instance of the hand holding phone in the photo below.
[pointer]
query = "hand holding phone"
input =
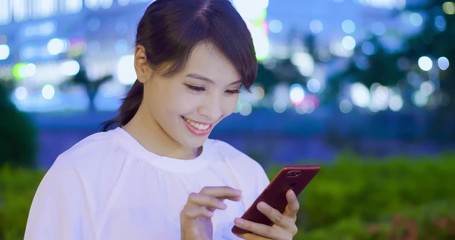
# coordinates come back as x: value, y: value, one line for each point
x: 289, y: 177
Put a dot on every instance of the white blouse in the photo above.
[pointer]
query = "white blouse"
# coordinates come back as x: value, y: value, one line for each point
x: 108, y: 186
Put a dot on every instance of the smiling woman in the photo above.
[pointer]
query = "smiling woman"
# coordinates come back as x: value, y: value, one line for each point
x: 153, y: 173
x: 203, y: 93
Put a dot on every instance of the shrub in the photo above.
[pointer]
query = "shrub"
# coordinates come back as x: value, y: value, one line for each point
x: 369, y: 199
x: 351, y: 198
x: 18, y: 136
x: 17, y: 188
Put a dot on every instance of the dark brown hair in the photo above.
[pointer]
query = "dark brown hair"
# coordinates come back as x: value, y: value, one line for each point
x: 170, y: 29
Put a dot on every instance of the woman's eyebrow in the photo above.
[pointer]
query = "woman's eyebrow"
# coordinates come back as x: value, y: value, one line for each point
x: 206, y: 79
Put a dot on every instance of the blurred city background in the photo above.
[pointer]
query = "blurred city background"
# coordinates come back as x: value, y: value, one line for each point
x: 366, y: 88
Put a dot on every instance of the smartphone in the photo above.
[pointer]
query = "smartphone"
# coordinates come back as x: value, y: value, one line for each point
x: 289, y: 177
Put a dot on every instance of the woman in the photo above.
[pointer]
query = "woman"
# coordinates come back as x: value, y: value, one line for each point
x: 155, y: 174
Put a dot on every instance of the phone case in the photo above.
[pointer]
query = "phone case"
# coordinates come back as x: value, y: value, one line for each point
x: 289, y: 177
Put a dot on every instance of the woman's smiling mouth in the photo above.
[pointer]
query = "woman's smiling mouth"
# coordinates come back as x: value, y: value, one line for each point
x: 197, y: 128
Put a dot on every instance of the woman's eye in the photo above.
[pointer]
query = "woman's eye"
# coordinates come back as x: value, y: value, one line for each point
x: 233, y: 91
x: 195, y: 88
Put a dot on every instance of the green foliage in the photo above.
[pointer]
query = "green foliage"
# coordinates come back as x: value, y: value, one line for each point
x: 351, y: 198
x: 17, y: 188
x: 18, y: 136
x: 356, y: 198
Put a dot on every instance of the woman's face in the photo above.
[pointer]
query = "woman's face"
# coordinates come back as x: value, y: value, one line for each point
x: 185, y: 107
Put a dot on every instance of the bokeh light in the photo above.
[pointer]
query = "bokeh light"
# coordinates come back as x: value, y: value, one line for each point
x: 415, y: 19
x: 348, y: 26
x: 21, y: 93
x: 448, y: 7
x: 360, y: 95
x: 4, y: 51
x: 368, y: 48
x: 296, y: 94
x: 275, y: 26
x: 125, y: 70
x: 316, y: 26
x: 425, y: 63
x: 56, y: 46
x: 345, y: 106
x: 440, y: 23
x: 443, y: 63
x: 348, y: 42
x: 313, y: 85
x: 304, y: 62
x: 24, y: 70
x: 396, y: 102
x: 48, y: 92
x: 69, y: 67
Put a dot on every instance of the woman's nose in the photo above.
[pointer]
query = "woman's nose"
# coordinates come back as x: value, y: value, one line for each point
x: 211, y: 107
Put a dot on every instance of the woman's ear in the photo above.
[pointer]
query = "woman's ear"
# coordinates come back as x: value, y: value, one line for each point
x: 143, y: 70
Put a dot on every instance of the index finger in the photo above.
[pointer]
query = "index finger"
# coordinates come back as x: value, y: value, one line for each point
x: 222, y: 192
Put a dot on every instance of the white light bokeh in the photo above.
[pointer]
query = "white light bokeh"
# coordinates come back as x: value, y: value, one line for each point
x: 304, y: 63
x: 425, y: 63
x: 348, y: 42
x: 296, y: 94
x: 360, y: 95
x: 48, y: 91
x: 379, y: 98
x: 251, y: 9
x: 28, y: 70
x: 395, y: 102
x: 125, y: 70
x: 261, y: 42
x: 56, y: 46
x: 4, y: 51
x: 21, y: 93
x: 69, y: 67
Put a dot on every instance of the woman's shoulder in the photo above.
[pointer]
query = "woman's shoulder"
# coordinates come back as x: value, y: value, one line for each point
x: 92, y: 142
x: 92, y: 148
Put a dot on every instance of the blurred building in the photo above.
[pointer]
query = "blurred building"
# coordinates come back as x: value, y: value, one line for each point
x: 43, y: 43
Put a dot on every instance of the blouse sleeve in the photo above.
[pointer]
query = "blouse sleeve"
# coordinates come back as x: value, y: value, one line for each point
x: 60, y: 208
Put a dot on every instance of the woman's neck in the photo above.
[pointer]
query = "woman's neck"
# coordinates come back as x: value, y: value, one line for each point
x: 153, y: 138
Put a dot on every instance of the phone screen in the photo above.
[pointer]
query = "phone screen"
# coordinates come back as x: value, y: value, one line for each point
x: 289, y: 177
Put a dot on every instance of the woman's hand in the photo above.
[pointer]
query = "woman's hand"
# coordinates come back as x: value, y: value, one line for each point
x: 195, y: 218
x: 283, y: 228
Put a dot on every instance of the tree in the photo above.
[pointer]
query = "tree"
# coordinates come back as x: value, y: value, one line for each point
x: 91, y: 86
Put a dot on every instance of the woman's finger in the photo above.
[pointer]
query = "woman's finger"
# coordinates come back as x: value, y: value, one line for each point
x: 208, y: 200
x: 261, y: 231
x: 222, y: 192
x: 293, y: 205
x: 198, y: 199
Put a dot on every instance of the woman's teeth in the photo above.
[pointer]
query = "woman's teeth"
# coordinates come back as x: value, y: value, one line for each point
x: 198, y: 126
